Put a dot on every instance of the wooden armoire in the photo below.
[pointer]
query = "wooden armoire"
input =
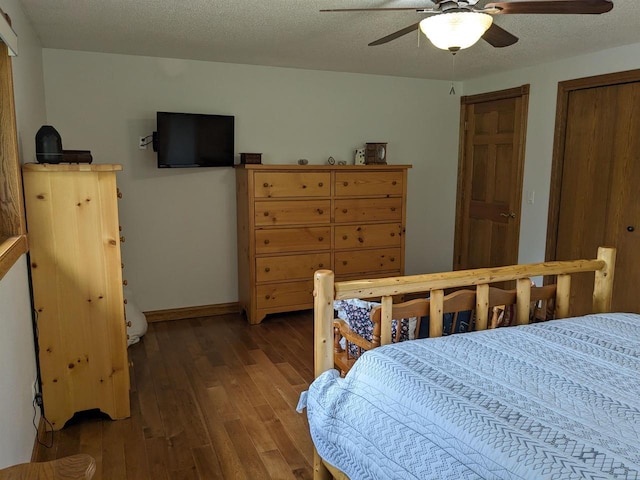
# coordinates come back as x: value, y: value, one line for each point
x: 76, y: 270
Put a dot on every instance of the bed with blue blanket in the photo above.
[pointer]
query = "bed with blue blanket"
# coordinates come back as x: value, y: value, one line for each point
x: 552, y: 400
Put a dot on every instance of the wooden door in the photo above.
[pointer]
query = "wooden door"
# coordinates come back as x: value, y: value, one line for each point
x: 490, y: 170
x: 594, y: 195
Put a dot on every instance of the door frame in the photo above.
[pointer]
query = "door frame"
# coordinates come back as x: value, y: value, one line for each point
x: 562, y: 106
x: 465, y: 101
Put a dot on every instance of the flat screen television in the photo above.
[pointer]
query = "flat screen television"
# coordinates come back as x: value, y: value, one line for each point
x: 194, y: 140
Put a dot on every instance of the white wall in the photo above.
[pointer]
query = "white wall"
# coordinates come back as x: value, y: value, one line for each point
x: 542, y: 113
x: 18, y: 371
x: 17, y: 355
x: 180, y: 224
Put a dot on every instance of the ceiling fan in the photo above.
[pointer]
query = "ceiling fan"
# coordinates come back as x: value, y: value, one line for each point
x: 456, y: 24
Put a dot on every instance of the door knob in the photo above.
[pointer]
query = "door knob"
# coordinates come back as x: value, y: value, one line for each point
x: 630, y: 228
x: 508, y: 215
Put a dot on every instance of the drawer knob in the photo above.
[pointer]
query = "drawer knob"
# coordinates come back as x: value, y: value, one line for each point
x: 393, y: 209
x: 394, y: 182
x: 129, y: 323
x: 266, y: 214
x: 125, y: 301
x: 344, y: 237
x: 361, y: 240
x: 346, y: 184
x: 320, y: 265
x: 267, y: 269
x: 393, y: 234
x: 119, y: 228
x: 124, y: 282
x: 344, y: 262
x: 266, y: 242
x: 267, y: 297
x: 265, y: 184
x: 320, y: 211
x: 304, y: 186
x: 321, y: 184
x: 320, y: 239
x: 122, y: 238
x: 119, y: 194
x: 392, y: 259
x: 344, y: 210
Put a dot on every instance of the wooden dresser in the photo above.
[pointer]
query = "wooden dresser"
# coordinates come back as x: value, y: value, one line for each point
x: 73, y: 232
x: 294, y: 220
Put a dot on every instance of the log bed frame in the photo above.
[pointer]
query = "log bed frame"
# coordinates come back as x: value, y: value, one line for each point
x: 326, y: 291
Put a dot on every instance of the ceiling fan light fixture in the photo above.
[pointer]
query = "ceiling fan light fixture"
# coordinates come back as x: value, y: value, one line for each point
x: 455, y: 30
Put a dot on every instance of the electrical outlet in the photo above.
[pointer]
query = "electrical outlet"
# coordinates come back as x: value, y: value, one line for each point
x: 142, y: 143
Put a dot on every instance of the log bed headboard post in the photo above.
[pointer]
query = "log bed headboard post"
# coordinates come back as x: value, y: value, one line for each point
x: 323, y: 297
x: 523, y: 300
x: 603, y: 287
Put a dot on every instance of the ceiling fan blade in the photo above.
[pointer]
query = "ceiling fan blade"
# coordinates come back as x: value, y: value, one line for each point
x: 383, y: 9
x: 395, y: 35
x: 498, y: 37
x: 554, y: 6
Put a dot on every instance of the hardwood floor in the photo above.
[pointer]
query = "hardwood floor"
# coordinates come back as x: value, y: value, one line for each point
x: 210, y: 398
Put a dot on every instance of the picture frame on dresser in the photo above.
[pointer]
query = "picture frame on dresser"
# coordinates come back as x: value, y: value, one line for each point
x: 293, y: 220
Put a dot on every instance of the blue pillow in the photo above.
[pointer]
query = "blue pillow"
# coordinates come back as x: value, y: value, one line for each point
x: 462, y: 326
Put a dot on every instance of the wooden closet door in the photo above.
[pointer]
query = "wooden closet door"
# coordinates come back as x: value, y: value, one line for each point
x: 598, y: 202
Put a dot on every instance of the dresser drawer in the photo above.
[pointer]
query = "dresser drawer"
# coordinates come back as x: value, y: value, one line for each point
x: 292, y: 184
x: 369, y: 183
x: 368, y: 210
x: 373, y: 235
x: 292, y: 212
x: 363, y: 261
x: 290, y: 267
x: 282, y: 240
x: 275, y: 295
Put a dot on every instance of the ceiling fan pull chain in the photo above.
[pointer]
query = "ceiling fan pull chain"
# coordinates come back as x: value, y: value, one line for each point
x: 452, y: 91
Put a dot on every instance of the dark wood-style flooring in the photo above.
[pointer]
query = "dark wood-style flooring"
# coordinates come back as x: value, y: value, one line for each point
x: 210, y: 398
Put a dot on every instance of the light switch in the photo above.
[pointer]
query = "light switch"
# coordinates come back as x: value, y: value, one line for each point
x: 531, y: 197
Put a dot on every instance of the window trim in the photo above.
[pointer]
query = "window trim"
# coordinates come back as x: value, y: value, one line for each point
x: 13, y: 231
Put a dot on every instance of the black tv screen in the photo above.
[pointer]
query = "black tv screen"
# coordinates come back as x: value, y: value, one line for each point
x: 194, y: 140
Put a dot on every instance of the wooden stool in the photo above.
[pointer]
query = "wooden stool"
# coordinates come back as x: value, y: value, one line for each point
x: 75, y: 467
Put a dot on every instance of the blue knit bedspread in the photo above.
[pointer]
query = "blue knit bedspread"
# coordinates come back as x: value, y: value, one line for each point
x: 553, y: 400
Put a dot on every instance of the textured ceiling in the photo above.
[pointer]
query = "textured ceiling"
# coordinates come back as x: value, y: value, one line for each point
x: 293, y: 33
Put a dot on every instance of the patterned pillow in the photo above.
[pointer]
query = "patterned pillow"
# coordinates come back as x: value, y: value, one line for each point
x: 355, y: 313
